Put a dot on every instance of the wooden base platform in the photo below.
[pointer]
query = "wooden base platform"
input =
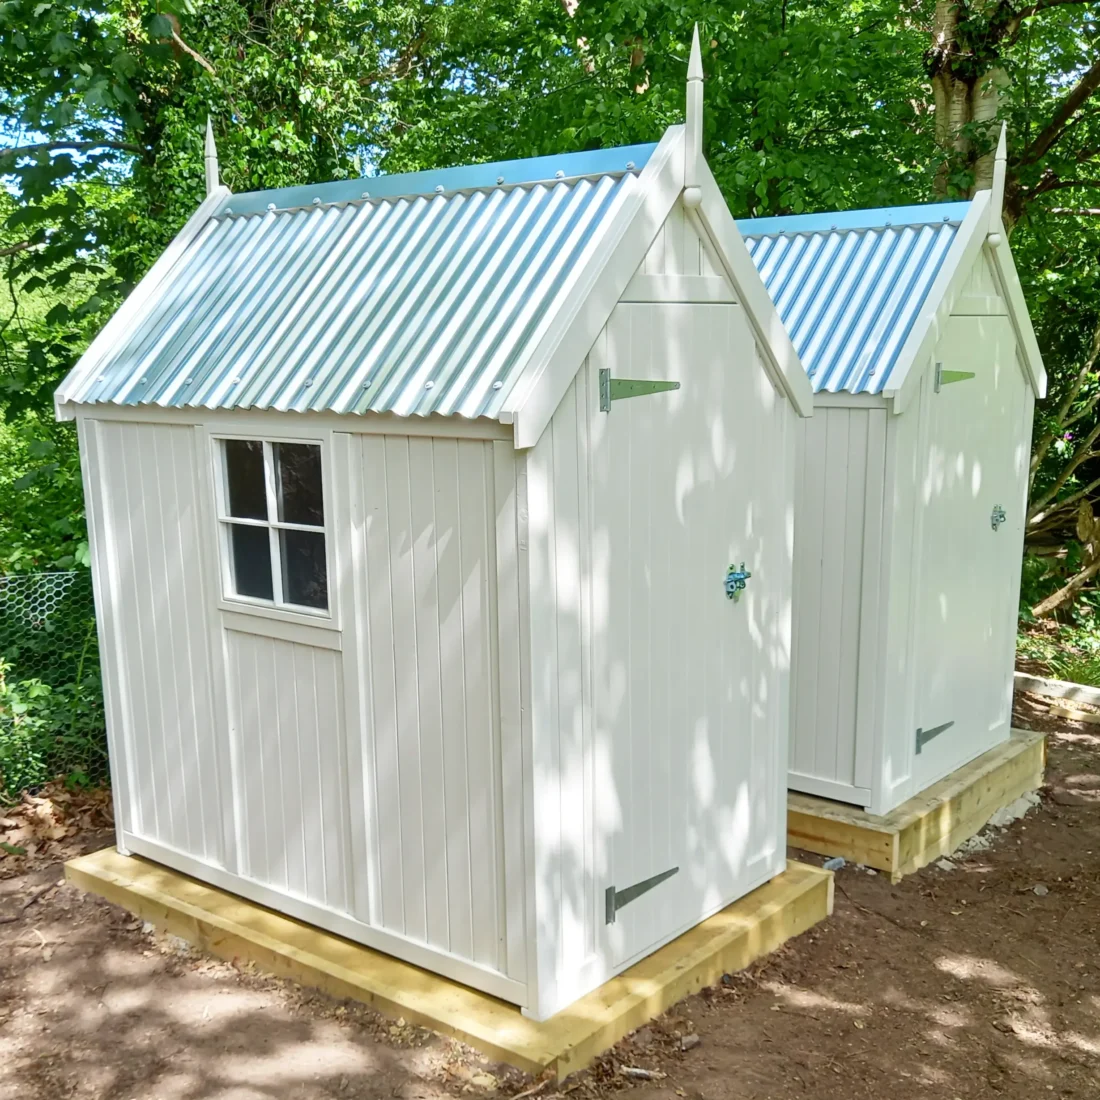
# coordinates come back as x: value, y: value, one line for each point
x: 231, y: 928
x: 931, y: 824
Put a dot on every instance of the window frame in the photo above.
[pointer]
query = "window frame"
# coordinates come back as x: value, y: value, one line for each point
x: 277, y: 607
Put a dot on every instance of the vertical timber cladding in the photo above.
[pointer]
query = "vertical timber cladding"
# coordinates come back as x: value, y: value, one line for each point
x: 423, y: 541
x: 838, y: 545
x: 146, y: 523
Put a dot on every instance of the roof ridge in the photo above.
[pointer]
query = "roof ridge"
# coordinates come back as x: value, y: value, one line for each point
x: 526, y: 171
x: 844, y: 221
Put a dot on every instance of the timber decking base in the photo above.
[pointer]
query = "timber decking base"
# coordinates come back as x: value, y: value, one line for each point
x: 228, y: 926
x: 931, y: 824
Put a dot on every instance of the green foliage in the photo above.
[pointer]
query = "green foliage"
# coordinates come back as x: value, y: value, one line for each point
x: 51, y: 701
x: 40, y: 496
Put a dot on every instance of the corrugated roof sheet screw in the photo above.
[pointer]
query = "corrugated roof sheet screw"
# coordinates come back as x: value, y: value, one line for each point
x: 271, y: 206
x: 228, y: 210
x: 365, y: 195
x: 366, y: 384
x: 316, y: 202
x: 497, y: 385
x: 630, y: 166
x: 144, y: 380
x: 439, y: 189
x: 102, y: 378
x: 309, y: 381
x: 236, y: 381
x: 947, y: 217
x: 559, y: 175
x: 500, y: 179
x: 429, y: 385
x: 188, y: 381
x: 832, y: 227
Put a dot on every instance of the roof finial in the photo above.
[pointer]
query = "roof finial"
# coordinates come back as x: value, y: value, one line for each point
x: 210, y: 158
x: 997, y: 198
x: 693, y: 143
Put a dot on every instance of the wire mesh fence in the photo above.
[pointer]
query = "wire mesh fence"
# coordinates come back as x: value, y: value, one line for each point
x: 51, y: 696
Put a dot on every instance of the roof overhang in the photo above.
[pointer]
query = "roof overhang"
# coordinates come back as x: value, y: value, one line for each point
x: 973, y: 236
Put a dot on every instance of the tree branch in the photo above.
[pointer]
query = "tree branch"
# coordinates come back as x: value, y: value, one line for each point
x: 11, y: 250
x: 1076, y: 211
x: 1080, y: 94
x: 78, y: 146
x: 1012, y: 27
x: 193, y: 54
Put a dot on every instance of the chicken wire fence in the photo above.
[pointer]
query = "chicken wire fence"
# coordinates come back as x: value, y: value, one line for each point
x: 51, y: 696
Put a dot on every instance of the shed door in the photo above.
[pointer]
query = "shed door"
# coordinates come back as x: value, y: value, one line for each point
x: 686, y: 482
x: 975, y: 461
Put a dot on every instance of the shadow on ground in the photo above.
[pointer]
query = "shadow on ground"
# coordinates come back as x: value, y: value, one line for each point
x: 979, y: 980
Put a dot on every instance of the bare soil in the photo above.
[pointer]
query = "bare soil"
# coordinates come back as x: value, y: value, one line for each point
x: 982, y: 980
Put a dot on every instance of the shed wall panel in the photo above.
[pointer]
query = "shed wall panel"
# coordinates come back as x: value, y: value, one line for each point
x: 432, y: 737
x: 841, y: 452
x: 153, y: 610
x: 287, y: 724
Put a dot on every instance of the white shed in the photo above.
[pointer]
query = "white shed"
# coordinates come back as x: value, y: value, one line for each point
x: 412, y: 505
x: 911, y: 488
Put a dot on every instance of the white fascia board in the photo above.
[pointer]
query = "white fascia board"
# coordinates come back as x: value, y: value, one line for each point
x: 596, y: 287
x: 940, y: 300
x: 778, y: 352
x: 1001, y: 254
x: 123, y: 317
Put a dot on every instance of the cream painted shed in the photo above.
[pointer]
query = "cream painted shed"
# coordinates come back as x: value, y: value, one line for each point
x: 414, y: 503
x: 910, y: 490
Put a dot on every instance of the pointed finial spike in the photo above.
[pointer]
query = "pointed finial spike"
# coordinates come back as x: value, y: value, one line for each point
x: 695, y: 60
x: 210, y: 158
x: 693, y: 123
x: 997, y: 198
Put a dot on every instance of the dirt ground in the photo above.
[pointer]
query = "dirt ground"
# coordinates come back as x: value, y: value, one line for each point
x: 978, y: 981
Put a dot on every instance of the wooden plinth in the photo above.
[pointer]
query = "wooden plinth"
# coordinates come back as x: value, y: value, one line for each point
x: 931, y: 824
x: 232, y: 928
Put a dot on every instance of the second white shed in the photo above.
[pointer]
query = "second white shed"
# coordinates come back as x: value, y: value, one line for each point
x: 415, y: 504
x: 911, y: 489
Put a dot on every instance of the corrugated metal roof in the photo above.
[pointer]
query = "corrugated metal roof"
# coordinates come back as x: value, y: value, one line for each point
x: 422, y: 298
x: 849, y: 286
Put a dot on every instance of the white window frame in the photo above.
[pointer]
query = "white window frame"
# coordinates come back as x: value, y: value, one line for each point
x: 278, y: 606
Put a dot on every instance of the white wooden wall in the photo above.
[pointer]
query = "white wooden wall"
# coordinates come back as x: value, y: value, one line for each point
x: 351, y: 772
x: 144, y: 494
x: 839, y: 493
x: 569, y: 541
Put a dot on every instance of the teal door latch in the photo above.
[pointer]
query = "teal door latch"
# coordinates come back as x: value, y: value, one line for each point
x: 736, y: 579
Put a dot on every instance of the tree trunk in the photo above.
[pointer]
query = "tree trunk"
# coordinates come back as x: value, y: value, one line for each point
x: 961, y: 97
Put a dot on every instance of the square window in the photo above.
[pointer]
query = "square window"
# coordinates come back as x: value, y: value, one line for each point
x: 272, y: 512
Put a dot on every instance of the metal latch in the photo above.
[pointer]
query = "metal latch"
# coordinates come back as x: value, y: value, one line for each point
x: 614, y: 899
x: 924, y: 736
x: 735, y: 581
x: 997, y: 517
x: 617, y: 389
x: 946, y: 377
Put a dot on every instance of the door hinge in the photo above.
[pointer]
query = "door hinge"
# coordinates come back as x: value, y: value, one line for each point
x: 997, y: 517
x: 946, y: 377
x: 924, y: 736
x: 616, y: 389
x: 614, y: 899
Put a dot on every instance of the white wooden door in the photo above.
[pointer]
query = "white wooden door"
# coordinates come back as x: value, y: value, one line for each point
x: 974, y: 462
x: 685, y: 483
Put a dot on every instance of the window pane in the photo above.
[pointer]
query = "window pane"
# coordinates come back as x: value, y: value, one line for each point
x: 251, y: 553
x: 244, y: 470
x: 305, y: 578
x: 298, y: 479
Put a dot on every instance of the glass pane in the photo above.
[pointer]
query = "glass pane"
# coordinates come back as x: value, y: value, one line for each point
x: 244, y: 473
x: 298, y: 482
x: 251, y: 553
x: 305, y: 578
